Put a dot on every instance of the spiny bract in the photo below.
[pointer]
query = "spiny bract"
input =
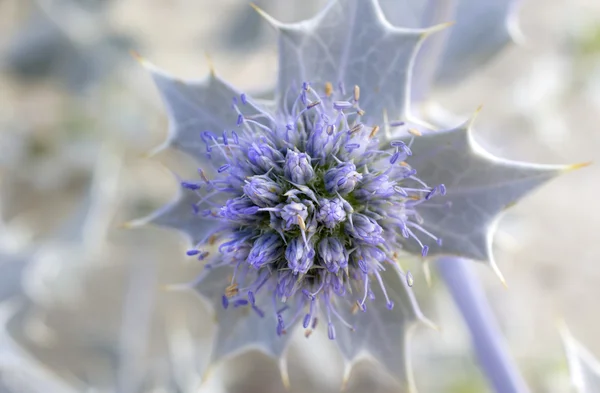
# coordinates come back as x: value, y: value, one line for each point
x: 308, y: 199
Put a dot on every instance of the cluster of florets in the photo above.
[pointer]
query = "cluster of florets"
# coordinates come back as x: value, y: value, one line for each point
x: 310, y: 207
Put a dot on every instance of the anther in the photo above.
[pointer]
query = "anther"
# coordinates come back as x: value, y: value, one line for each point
x: 357, y: 127
x: 341, y: 105
x: 415, y: 132
x: 396, y: 124
x: 328, y: 89
x: 240, y: 303
x: 231, y: 290
x: 243, y: 98
x: 301, y: 223
x: 356, y: 93
x: 331, y: 331
x: 190, y: 186
x: 409, y: 279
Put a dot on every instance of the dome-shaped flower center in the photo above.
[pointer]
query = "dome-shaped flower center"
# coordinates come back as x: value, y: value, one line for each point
x: 311, y: 206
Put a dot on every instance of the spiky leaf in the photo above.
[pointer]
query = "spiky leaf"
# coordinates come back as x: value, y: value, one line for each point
x: 479, y: 188
x: 194, y: 107
x: 240, y: 328
x: 350, y: 42
x: 381, y: 334
x: 482, y: 28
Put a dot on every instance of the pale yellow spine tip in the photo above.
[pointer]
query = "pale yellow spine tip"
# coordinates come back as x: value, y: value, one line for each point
x: 285, y: 378
x: 499, y: 275
x: 260, y: 11
x: 431, y: 325
x: 437, y: 28
x: 126, y: 225
x: 427, y: 273
x: 272, y: 21
x: 346, y: 377
x: 573, y: 167
x: 207, y: 374
x: 137, y: 57
x: 175, y: 287
x: 471, y: 121
x: 211, y: 65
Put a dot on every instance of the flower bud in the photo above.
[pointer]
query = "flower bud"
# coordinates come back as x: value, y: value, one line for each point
x: 266, y: 249
x: 331, y: 212
x: 333, y: 253
x: 264, y: 157
x: 263, y: 191
x: 298, y: 168
x: 294, y: 213
x: 375, y: 186
x: 300, y: 257
x: 239, y: 209
x: 342, y: 179
x: 363, y: 228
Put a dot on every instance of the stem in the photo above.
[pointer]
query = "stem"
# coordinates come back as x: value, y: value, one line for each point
x: 498, y: 367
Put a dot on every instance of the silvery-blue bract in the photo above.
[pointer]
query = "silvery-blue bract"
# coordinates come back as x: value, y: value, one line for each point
x: 304, y: 204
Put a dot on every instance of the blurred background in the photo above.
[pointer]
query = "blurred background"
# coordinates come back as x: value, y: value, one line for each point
x: 83, y: 305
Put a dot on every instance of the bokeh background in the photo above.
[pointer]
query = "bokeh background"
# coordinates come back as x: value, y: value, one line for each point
x: 83, y: 301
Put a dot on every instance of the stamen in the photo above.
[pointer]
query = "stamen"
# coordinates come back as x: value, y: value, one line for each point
x: 356, y: 93
x: 328, y: 89
x: 374, y: 131
x: 357, y: 127
x: 341, y: 105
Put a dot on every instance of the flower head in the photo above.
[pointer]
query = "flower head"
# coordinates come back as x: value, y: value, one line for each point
x: 313, y: 229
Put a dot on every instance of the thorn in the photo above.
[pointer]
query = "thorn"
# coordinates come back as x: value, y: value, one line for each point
x: 386, y: 125
x: 126, y: 225
x: 272, y: 21
x: 175, y: 287
x: 437, y: 28
x: 574, y: 167
x: 498, y: 273
x: 211, y: 65
x: 207, y: 374
x: 285, y: 376
x: 132, y: 224
x: 346, y: 376
x: 427, y: 272
x: 471, y: 121
x: 154, y: 151
x: 137, y: 57
x: 430, y: 324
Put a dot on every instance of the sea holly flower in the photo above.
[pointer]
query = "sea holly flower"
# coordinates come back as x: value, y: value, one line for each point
x: 309, y: 199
